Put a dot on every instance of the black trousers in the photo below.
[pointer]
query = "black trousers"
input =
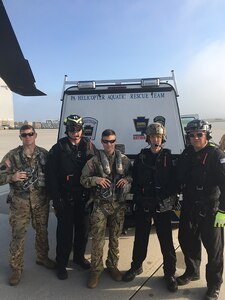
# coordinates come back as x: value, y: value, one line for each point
x: 72, y: 232
x: 190, y: 237
x: 164, y: 232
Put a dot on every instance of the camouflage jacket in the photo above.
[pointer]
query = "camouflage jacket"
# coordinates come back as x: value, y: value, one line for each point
x: 16, y: 160
x: 94, y: 169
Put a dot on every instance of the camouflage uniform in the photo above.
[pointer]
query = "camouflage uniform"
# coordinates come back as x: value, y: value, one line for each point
x: 108, y: 211
x: 28, y: 201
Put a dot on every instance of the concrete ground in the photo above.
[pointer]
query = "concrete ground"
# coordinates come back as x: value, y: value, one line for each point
x: 40, y: 283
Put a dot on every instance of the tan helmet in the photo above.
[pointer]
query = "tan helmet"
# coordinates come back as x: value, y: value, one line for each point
x: 156, y: 128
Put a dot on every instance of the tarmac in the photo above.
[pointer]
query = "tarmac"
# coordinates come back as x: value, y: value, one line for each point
x: 40, y: 283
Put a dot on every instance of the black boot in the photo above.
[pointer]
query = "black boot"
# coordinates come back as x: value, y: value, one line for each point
x: 82, y: 262
x: 171, y: 283
x: 212, y: 293
x: 62, y: 273
x: 131, y: 274
x: 187, y: 277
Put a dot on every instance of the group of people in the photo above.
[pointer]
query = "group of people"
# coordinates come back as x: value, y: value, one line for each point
x: 88, y: 188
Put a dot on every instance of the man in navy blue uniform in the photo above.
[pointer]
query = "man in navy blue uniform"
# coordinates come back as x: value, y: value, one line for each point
x: 201, y: 173
x: 154, y: 186
x: 63, y: 170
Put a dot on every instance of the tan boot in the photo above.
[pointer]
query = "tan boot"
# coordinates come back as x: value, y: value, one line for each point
x: 47, y: 263
x: 115, y: 273
x: 93, y: 279
x: 15, y: 277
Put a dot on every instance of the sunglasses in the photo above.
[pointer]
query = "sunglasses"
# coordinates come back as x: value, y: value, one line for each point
x: 108, y: 141
x: 199, y: 135
x: 26, y: 134
x: 74, y: 128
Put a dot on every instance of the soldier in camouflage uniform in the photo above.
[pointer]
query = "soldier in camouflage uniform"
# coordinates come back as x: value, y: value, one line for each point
x: 23, y: 168
x: 109, y: 174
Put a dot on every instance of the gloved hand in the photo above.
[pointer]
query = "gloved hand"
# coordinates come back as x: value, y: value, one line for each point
x: 219, y: 219
x: 58, y: 204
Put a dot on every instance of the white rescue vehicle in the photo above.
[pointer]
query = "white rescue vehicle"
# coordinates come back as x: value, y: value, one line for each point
x: 127, y: 106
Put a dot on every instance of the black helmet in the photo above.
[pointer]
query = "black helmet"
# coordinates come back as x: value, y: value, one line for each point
x: 199, y: 125
x: 73, y: 120
x: 156, y: 128
x: 74, y: 123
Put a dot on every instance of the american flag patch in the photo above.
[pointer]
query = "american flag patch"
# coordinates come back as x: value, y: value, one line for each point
x: 8, y: 163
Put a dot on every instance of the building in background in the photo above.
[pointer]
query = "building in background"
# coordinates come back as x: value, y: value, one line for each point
x: 6, y: 106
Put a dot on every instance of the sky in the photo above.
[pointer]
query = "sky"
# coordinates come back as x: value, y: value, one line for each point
x: 122, y: 39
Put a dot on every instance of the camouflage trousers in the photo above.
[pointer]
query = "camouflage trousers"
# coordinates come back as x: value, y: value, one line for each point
x: 21, y: 212
x: 111, y: 215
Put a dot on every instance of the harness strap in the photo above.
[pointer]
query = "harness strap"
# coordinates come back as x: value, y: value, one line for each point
x: 165, y: 161
x: 204, y: 160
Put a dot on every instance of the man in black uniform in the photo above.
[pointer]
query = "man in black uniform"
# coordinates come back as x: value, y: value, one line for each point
x: 65, y: 162
x: 153, y: 187
x: 201, y: 172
